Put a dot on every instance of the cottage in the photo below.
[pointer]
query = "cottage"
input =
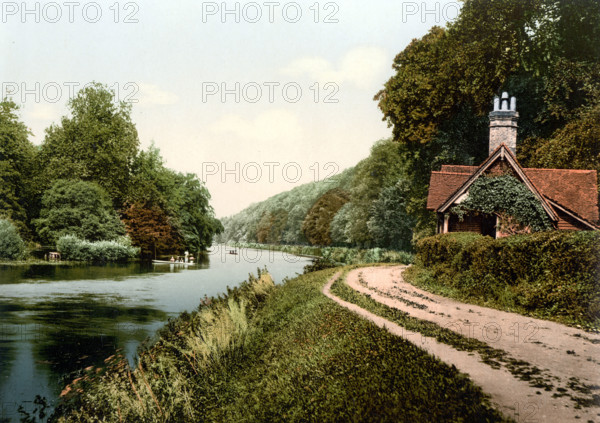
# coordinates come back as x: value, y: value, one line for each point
x: 568, y: 197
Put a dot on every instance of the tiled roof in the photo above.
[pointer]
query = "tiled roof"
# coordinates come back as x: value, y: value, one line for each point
x: 576, y: 190
x: 442, y: 185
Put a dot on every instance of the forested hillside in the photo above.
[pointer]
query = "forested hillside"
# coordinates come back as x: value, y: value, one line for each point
x: 544, y: 52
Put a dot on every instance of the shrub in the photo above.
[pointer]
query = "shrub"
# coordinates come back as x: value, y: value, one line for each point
x: 551, y: 274
x: 73, y: 248
x: 12, y: 246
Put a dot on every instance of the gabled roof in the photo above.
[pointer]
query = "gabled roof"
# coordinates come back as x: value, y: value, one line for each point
x: 572, y: 190
x: 501, y: 153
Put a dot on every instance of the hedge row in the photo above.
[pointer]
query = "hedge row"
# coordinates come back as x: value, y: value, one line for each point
x: 73, y: 248
x: 553, y: 273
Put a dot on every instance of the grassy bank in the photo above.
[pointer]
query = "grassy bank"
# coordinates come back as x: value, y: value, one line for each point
x: 267, y: 353
x: 339, y: 255
x: 550, y: 275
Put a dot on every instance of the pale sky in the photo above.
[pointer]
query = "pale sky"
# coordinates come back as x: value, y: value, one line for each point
x: 253, y: 97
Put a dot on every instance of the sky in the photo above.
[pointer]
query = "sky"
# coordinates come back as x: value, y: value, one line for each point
x: 253, y: 97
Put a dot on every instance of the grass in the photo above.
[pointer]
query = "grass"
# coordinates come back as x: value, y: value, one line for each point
x: 425, y: 278
x: 276, y: 353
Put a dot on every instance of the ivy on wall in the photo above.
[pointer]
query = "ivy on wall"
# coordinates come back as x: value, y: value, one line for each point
x: 507, y: 196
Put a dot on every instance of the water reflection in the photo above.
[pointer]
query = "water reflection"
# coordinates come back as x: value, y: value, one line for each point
x: 55, y: 320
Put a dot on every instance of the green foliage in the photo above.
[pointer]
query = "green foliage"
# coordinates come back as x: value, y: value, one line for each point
x: 390, y: 225
x: 317, y: 223
x: 182, y: 199
x: 265, y: 353
x: 575, y: 146
x: 507, y: 196
x: 11, y: 244
x: 340, y: 225
x: 77, y: 208
x: 73, y: 248
x: 16, y: 167
x: 551, y: 274
x: 338, y: 255
x: 97, y: 143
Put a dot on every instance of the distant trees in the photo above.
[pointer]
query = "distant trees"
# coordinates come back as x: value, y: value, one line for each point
x: 83, y: 209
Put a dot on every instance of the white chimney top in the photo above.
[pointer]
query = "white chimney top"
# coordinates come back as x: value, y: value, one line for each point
x: 505, y: 104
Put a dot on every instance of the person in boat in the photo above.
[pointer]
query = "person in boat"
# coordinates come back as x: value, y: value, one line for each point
x: 172, y: 259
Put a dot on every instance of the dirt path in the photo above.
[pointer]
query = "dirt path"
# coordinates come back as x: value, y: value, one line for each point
x: 568, y: 359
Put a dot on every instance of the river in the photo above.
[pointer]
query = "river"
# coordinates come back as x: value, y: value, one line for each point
x: 56, y: 320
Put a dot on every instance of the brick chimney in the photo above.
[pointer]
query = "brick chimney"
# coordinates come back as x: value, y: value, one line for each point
x: 503, y: 123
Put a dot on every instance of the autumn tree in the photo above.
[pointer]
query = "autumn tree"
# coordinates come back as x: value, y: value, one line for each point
x: 151, y: 229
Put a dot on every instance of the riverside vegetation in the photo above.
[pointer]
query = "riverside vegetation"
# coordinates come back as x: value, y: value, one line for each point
x: 265, y: 353
x: 551, y: 275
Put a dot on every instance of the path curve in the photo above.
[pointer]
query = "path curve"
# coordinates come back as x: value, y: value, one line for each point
x: 542, y: 343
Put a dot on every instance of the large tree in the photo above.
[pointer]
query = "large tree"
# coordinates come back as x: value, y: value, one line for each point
x: 16, y: 167
x: 77, y: 208
x: 98, y: 142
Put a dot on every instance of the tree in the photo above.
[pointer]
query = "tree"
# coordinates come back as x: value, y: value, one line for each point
x: 183, y: 197
x: 16, y: 166
x: 77, y: 208
x: 97, y: 143
x: 11, y: 244
x: 340, y: 224
x: 575, y: 146
x: 190, y: 201
x: 151, y: 229
x: 316, y: 225
x: 390, y: 225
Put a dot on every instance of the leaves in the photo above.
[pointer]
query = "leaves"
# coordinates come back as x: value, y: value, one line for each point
x: 77, y: 208
x: 505, y: 195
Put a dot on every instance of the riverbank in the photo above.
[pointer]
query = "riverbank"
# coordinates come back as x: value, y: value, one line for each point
x: 266, y: 352
x: 337, y: 255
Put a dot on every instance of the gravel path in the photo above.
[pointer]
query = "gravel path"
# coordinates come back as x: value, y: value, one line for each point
x: 566, y: 359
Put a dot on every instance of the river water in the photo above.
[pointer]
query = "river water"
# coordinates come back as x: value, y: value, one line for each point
x: 56, y: 320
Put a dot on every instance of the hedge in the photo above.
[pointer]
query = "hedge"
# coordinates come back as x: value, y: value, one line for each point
x: 552, y: 273
x: 73, y: 248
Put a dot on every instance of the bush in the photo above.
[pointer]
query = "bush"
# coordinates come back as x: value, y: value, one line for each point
x: 551, y: 274
x: 73, y: 248
x: 12, y: 246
